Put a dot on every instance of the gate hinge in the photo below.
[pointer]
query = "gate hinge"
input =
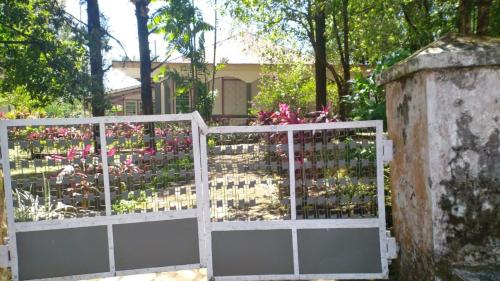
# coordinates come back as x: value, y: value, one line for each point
x: 392, y: 247
x: 4, y: 256
x: 387, y: 150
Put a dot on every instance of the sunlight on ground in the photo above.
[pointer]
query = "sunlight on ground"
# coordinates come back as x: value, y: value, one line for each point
x: 182, y: 275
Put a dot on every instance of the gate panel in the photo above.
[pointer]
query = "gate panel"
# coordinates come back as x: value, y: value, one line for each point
x: 321, y: 184
x: 252, y: 252
x: 331, y: 251
x: 61, y: 252
x: 156, y: 244
x: 126, y: 187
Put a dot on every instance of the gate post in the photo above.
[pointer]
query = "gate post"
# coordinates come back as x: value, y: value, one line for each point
x: 4, y: 271
x: 443, y: 113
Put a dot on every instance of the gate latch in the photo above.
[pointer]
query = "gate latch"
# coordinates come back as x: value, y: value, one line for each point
x: 4, y: 256
x: 387, y: 150
x: 392, y: 247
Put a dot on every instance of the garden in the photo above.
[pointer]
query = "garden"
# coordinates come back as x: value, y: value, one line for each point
x: 57, y: 171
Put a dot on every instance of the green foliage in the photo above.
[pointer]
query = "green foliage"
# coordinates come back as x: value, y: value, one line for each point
x: 367, y: 100
x: 292, y: 84
x: 63, y: 109
x: 183, y: 28
x: 181, y: 24
x: 287, y: 79
x: 205, y: 100
x: 495, y: 18
x: 42, y: 52
x: 375, y: 29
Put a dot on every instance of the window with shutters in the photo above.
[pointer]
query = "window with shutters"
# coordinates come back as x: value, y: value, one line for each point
x: 130, y: 107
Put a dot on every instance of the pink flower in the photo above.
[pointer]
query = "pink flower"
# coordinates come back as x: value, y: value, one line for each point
x: 62, y: 132
x: 111, y: 152
x: 284, y: 108
x: 128, y: 162
x: 86, y: 150
x: 70, y: 155
x: 55, y: 157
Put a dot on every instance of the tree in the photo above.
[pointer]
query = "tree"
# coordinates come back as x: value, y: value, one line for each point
x: 42, y: 52
x: 474, y: 16
x: 141, y: 13
x: 287, y: 80
x: 324, y: 25
x: 303, y: 19
x: 340, y: 31
x: 183, y: 28
x: 425, y: 21
x: 95, y: 33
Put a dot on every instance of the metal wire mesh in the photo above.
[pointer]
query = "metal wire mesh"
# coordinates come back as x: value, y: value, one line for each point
x: 150, y: 172
x: 248, y: 174
x: 335, y: 173
x: 56, y: 172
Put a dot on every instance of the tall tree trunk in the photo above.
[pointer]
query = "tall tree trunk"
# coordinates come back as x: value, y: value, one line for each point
x: 464, y: 17
x: 344, y: 91
x: 320, y: 59
x: 98, y: 100
x: 483, y: 16
x: 95, y: 47
x: 141, y: 13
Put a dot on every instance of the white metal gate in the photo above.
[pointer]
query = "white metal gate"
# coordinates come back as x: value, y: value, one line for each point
x: 104, y: 196
x: 120, y: 208
x: 295, y: 201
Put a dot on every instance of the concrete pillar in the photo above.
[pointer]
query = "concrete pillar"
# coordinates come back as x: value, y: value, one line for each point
x: 443, y: 114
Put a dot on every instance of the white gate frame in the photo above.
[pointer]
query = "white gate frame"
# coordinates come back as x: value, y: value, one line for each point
x: 108, y: 220
x: 387, y: 245
x: 8, y: 253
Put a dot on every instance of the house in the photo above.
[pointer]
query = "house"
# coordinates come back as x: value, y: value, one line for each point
x: 235, y: 83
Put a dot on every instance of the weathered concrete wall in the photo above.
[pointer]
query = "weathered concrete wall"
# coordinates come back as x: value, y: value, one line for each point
x: 464, y: 152
x: 443, y: 111
x: 411, y: 203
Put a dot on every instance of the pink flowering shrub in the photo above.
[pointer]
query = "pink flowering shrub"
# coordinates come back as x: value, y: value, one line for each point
x: 286, y: 116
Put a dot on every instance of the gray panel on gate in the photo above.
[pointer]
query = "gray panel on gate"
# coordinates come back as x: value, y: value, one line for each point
x: 62, y: 252
x: 252, y: 252
x: 156, y: 244
x: 347, y: 250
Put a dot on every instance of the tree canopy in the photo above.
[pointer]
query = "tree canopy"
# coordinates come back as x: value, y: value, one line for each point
x: 182, y: 25
x: 361, y: 33
x: 42, y: 52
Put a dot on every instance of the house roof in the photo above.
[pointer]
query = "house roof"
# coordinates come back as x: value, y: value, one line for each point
x: 122, y: 90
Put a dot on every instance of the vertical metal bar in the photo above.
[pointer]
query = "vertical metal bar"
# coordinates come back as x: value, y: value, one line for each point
x: 293, y: 203
x: 105, y: 167
x: 291, y: 171
x: 14, y: 266
x: 107, y: 193
x: 381, y: 197
x: 199, y: 190
x: 206, y: 205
